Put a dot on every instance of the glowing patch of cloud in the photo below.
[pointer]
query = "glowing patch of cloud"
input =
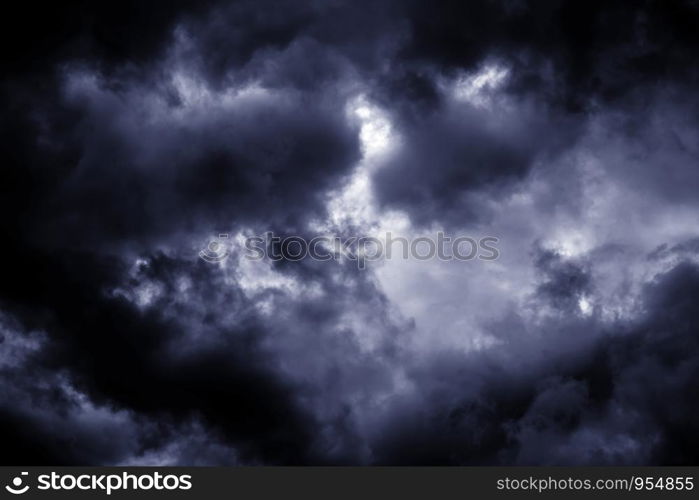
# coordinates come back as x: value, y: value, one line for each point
x: 477, y: 88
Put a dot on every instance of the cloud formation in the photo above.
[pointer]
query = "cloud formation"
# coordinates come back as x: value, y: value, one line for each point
x: 133, y: 135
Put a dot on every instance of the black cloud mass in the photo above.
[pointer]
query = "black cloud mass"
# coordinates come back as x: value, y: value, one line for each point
x: 133, y: 132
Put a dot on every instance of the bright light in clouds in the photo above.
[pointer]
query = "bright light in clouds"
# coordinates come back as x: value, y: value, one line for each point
x: 585, y: 306
x: 475, y: 88
x: 569, y: 242
x: 376, y: 133
x: 194, y: 92
x: 353, y: 203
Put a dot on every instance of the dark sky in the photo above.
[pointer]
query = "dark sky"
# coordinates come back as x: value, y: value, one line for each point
x: 134, y: 132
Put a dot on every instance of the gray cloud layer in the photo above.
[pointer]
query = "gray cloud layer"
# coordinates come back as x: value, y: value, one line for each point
x: 133, y: 134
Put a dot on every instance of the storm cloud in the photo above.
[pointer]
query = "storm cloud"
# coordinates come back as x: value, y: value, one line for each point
x: 134, y: 134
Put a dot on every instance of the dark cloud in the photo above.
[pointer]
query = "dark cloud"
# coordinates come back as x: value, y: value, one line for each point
x: 132, y: 133
x: 138, y: 360
x: 564, y: 283
x: 620, y: 397
x: 262, y: 160
x: 455, y: 152
x: 573, y: 60
x: 35, y: 39
x: 597, y: 50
